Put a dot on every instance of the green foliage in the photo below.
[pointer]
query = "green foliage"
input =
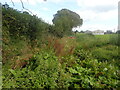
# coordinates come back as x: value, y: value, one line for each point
x: 20, y: 24
x: 94, y: 74
x: 14, y: 48
x: 64, y: 21
x: 106, y: 53
x: 81, y: 54
x: 87, y: 41
x: 84, y: 61
x: 42, y: 71
x: 85, y: 68
x: 114, y: 39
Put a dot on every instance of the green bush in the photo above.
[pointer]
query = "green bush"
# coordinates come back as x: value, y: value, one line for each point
x: 42, y: 71
x: 82, y: 54
x: 93, y: 74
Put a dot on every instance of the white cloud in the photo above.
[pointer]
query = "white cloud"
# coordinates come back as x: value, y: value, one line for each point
x: 34, y: 2
x: 58, y: 1
x: 30, y: 2
x: 91, y: 15
x: 55, y: 1
x: 92, y: 3
x: 93, y: 27
x: 15, y: 1
x: 87, y: 15
x: 45, y: 9
x: 102, y: 12
x: 113, y: 14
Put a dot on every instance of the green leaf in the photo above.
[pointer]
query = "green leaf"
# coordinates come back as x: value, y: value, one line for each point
x: 72, y: 70
x: 12, y: 71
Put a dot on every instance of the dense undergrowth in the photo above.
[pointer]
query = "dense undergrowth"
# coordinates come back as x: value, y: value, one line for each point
x: 66, y: 63
x: 47, y: 61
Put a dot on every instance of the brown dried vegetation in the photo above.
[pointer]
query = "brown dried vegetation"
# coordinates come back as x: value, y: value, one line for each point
x: 21, y: 62
x: 62, y: 47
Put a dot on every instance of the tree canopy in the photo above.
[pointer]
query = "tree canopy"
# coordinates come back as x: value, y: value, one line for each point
x: 64, y: 20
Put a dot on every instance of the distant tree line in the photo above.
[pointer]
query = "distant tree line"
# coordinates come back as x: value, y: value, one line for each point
x: 107, y: 32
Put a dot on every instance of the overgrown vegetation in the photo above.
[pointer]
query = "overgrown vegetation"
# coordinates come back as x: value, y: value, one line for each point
x: 33, y: 57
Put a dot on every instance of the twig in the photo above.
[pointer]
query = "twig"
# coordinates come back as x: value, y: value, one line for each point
x: 13, y: 3
x: 22, y: 3
x: 25, y: 8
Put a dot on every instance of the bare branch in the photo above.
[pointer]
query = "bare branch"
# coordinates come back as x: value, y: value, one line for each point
x: 25, y: 8
x: 22, y: 4
x: 13, y: 3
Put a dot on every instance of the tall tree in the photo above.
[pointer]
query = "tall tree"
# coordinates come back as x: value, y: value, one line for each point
x: 64, y: 20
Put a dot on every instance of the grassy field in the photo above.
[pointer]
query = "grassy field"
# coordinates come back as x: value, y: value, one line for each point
x: 84, y: 61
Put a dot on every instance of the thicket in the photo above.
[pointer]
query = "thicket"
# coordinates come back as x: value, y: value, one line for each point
x: 19, y: 25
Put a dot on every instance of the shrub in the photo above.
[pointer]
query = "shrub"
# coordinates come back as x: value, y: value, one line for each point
x: 93, y: 74
x: 43, y: 71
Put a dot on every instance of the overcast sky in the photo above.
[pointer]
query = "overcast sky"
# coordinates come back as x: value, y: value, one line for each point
x: 96, y: 14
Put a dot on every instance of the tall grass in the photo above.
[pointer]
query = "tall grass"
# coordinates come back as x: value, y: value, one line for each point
x: 87, y: 41
x: 109, y: 38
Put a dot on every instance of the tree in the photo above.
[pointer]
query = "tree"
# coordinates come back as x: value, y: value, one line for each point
x: 65, y: 20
